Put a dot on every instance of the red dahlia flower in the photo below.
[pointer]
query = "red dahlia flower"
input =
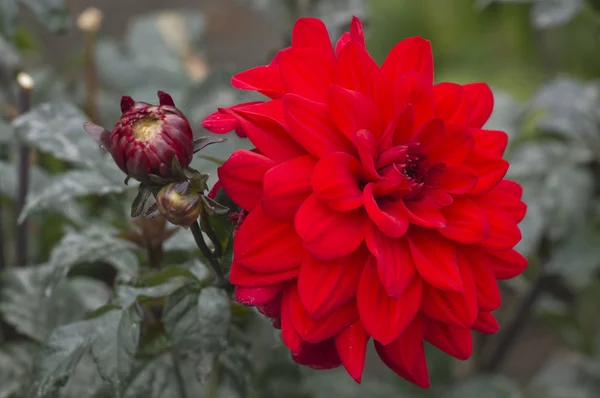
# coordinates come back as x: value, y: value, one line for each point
x: 147, y: 138
x: 377, y: 204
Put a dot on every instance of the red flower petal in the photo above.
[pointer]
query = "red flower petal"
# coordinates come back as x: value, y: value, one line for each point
x: 452, y: 103
x: 504, y: 232
x: 353, y: 111
x: 492, y: 141
x: 219, y: 123
x: 395, y: 264
x: 435, y: 259
x: 311, y: 126
x: 383, y: 317
x: 486, y: 323
x: 458, y: 179
x: 456, y: 145
x: 488, y: 292
x: 454, y: 341
x: 286, y: 186
x: 256, y: 295
x: 342, y: 42
x: 307, y: 72
x: 357, y: 32
x: 406, y: 355
x: 367, y: 152
x: 430, y: 136
x: 425, y: 213
x: 242, y: 175
x: 272, y: 309
x: 311, y: 33
x: 265, y: 244
x: 318, y: 356
x: 400, y: 131
x: 316, y: 331
x: 264, y: 79
x: 411, y: 54
x: 335, y: 181
x: 510, y: 187
x: 325, y: 286
x: 357, y: 71
x: 328, y: 234
x: 453, y: 308
x: 241, y: 276
x: 267, y: 134
x: 465, y: 222
x: 389, y: 217
x: 291, y: 338
x: 481, y: 100
x: 351, y: 345
x: 506, y: 264
x: 490, y: 169
x: 503, y: 196
x: 414, y: 89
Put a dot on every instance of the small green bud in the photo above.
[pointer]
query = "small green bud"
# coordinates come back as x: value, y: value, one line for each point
x: 179, y: 204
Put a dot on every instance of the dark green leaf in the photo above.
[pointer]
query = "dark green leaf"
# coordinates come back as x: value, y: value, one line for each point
x: 9, y: 16
x: 197, y: 325
x: 204, y: 141
x: 182, y: 240
x: 487, y: 386
x: 27, y: 304
x: 16, y: 362
x: 65, y: 187
x: 137, y: 207
x: 63, y: 351
x: 111, y: 338
x: 91, y: 245
x: 85, y: 381
x: 152, y: 211
x: 214, y: 316
x: 114, y: 349
x: 549, y: 13
x: 213, y: 207
x: 53, y: 14
x: 57, y: 128
x: 127, y: 295
x: 566, y: 375
x: 193, y: 270
x: 577, y: 259
x: 159, y: 379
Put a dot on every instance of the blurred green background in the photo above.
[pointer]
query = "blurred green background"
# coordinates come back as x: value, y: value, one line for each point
x: 541, y: 58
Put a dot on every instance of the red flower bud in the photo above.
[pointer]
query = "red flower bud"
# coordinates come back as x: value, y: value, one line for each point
x: 179, y: 204
x: 147, y: 138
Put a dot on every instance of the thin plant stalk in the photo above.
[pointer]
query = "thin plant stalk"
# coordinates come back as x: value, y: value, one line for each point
x: 89, y: 21
x: 25, y: 83
x: 197, y: 232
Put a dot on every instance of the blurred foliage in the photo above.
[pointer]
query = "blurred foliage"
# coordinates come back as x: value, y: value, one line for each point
x: 88, y: 315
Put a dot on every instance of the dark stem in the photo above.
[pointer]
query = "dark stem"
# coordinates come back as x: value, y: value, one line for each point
x: 2, y: 252
x: 24, y: 99
x: 195, y: 228
x: 155, y: 256
x: 91, y: 76
x: 210, y: 232
x: 523, y: 313
x: 178, y: 375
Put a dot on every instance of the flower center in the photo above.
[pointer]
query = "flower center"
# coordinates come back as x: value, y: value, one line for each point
x: 404, y: 171
x: 145, y: 129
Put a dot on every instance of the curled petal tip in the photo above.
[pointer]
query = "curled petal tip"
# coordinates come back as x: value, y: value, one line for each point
x: 165, y: 99
x: 99, y: 133
x: 126, y: 103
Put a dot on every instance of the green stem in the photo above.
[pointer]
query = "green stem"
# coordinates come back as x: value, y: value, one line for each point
x: 180, y: 381
x: 210, y: 232
x: 197, y: 232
